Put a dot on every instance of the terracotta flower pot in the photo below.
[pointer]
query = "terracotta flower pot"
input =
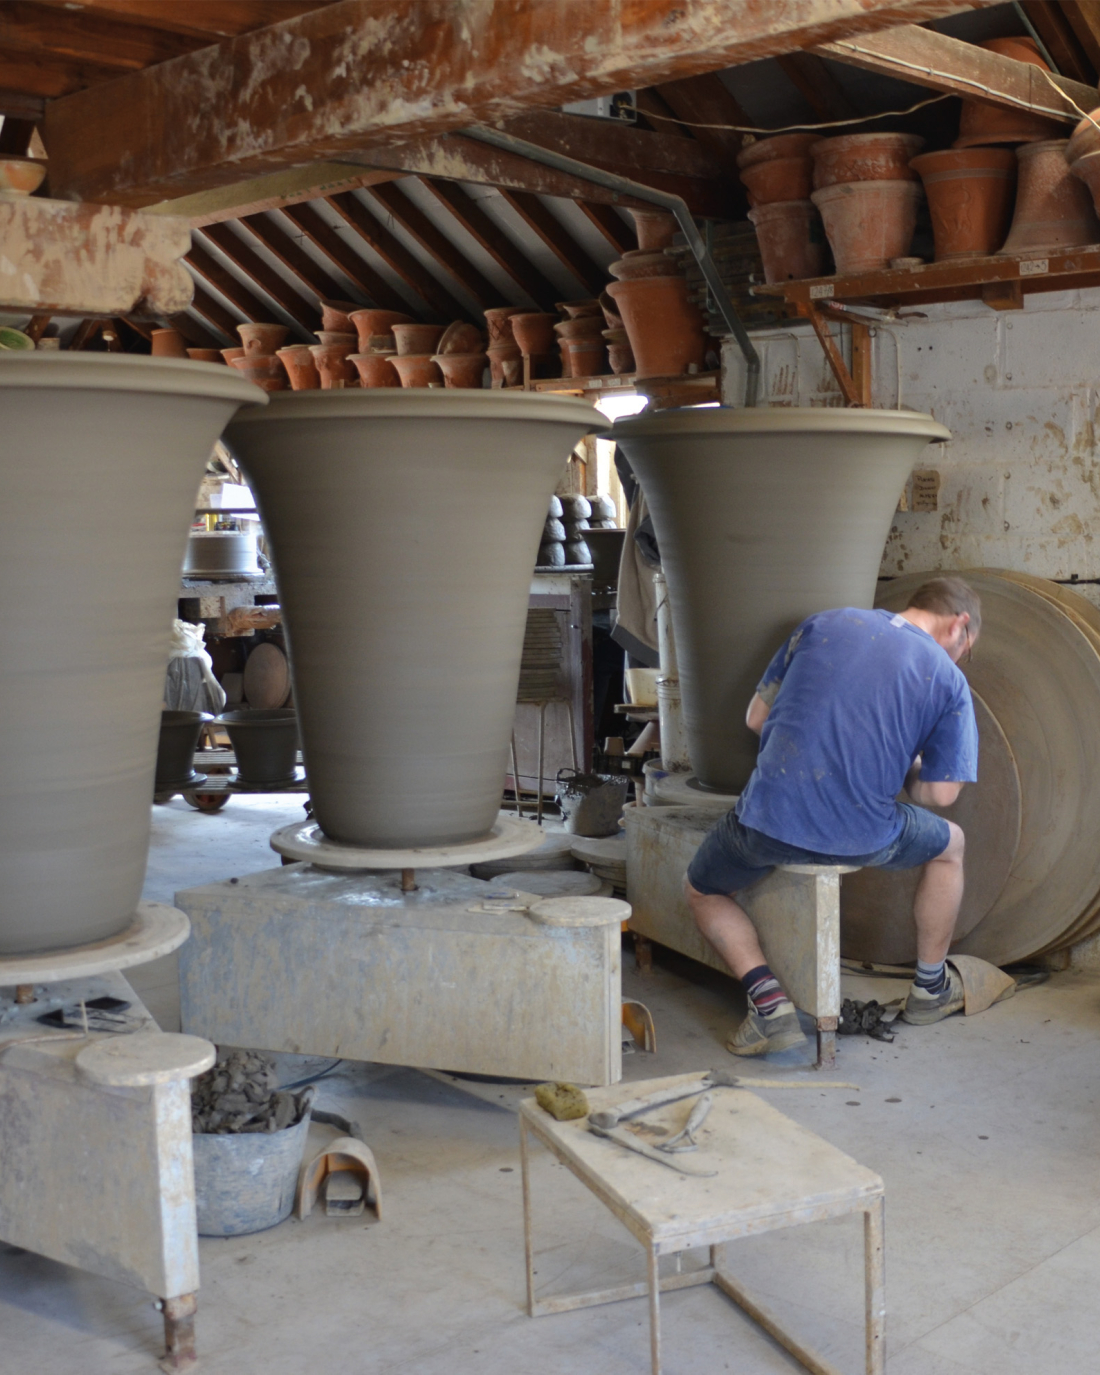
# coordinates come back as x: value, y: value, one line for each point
x: 970, y: 195
x: 462, y: 369
x: 262, y: 370
x: 869, y: 222
x: 982, y: 123
x: 498, y: 321
x: 417, y: 339
x: 336, y: 315
x: 370, y: 322
x: 1053, y: 207
x: 374, y: 369
x: 263, y: 338
x: 574, y: 310
x: 581, y: 327
x: 205, y: 356
x: 370, y: 619
x: 1085, y: 138
x: 417, y: 370
x: 461, y: 338
x: 664, y: 327
x: 230, y: 354
x: 300, y: 367
x: 656, y: 228
x: 619, y: 353
x: 794, y: 504
x: 610, y: 312
x: 779, y: 179
x: 584, y: 356
x: 864, y: 157
x: 168, y: 343
x: 82, y: 685
x: 757, y: 151
x: 21, y: 176
x: 332, y: 364
x: 338, y: 336
x: 635, y: 264
x: 791, y: 240
x: 505, y: 365
x: 534, y: 332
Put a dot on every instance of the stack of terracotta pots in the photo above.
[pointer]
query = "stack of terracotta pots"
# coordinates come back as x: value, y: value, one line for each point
x: 461, y: 356
x: 778, y: 174
x: 504, y: 353
x: 868, y: 197
x: 257, y: 359
x: 533, y: 331
x: 580, y: 338
x: 336, y: 342
x: 376, y: 346
x: 663, y: 327
x: 620, y: 356
x: 415, y: 356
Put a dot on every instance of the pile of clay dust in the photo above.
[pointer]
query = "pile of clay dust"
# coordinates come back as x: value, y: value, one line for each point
x: 241, y: 1094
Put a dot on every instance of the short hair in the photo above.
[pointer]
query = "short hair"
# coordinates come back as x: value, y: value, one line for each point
x: 948, y: 597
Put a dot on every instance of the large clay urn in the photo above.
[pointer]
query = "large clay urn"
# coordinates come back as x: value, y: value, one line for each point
x: 763, y: 517
x: 983, y: 123
x: 1054, y: 208
x: 85, y: 616
x: 405, y: 601
x: 970, y: 197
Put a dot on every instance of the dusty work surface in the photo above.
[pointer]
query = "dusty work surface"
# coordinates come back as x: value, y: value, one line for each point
x: 984, y: 1130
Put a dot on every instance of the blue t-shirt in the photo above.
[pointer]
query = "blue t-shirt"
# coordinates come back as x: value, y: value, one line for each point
x: 857, y: 696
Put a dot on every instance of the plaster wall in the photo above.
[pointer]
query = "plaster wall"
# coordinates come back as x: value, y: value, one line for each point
x: 1019, y: 391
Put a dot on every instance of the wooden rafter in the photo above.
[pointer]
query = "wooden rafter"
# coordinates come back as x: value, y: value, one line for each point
x: 366, y: 76
x: 702, y: 101
x: 82, y: 35
x: 612, y: 226
x: 249, y: 262
x: 394, y: 201
x: 1083, y: 17
x: 85, y: 332
x: 234, y: 291
x: 390, y: 249
x: 17, y: 104
x: 494, y: 241
x: 609, y: 143
x: 197, y: 335
x: 204, y: 21
x: 294, y: 258
x: 1059, y: 39
x: 817, y: 86
x: 338, y: 251
x: 37, y: 327
x: 558, y: 240
x: 214, y: 313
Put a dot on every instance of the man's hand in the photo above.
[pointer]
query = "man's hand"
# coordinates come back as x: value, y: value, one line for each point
x: 757, y: 713
x: 930, y: 794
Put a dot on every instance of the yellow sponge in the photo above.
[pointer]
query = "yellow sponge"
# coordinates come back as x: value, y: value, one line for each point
x: 563, y: 1101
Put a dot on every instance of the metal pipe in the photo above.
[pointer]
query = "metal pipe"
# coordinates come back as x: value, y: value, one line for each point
x: 611, y: 182
x: 1044, y: 51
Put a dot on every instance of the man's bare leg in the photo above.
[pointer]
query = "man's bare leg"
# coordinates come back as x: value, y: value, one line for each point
x: 938, y: 898
x: 726, y: 926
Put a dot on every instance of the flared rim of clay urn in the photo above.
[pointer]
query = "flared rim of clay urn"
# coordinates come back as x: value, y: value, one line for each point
x: 427, y: 403
x: 852, y: 158
x: 779, y: 419
x: 336, y: 315
x: 127, y: 372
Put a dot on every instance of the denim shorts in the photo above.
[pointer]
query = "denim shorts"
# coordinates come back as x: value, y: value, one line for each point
x: 734, y: 856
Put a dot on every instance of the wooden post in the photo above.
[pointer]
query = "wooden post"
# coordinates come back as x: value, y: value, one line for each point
x: 861, y: 362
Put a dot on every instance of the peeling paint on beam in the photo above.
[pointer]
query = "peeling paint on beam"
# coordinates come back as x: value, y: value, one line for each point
x: 356, y: 73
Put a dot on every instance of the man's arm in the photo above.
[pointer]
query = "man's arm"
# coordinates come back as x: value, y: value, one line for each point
x: 930, y: 794
x: 757, y: 713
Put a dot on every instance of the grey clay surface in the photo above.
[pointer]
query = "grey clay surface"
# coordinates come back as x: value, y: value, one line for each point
x: 86, y: 607
x: 403, y: 527
x: 763, y: 517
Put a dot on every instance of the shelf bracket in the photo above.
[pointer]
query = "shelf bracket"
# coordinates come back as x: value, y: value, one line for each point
x: 856, y: 392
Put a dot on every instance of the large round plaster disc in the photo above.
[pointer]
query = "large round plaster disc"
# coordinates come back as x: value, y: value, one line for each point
x: 580, y: 912
x: 266, y: 677
x: 685, y: 790
x: 157, y: 929
x: 552, y: 883
x: 306, y: 841
x: 1039, y: 675
x: 876, y: 905
x: 143, y: 1058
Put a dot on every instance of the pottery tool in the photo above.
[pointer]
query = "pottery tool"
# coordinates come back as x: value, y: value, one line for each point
x: 622, y: 1137
x: 715, y: 1078
x: 686, y: 1134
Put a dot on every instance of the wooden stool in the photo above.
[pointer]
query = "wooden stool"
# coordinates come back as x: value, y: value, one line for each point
x: 770, y: 1173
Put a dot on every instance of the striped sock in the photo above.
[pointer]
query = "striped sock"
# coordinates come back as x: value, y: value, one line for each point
x: 931, y: 978
x: 764, y: 992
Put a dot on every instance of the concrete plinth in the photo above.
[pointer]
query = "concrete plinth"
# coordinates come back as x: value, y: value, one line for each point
x: 297, y: 959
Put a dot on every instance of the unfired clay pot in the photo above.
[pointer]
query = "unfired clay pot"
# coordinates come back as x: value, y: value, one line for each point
x: 371, y: 322
x: 864, y: 157
x: 791, y: 240
x: 176, y: 746
x: 416, y: 338
x: 336, y: 315
x: 505, y: 365
x: 300, y: 367
x: 498, y: 320
x: 405, y: 602
x: 970, y: 196
x: 417, y: 370
x: 262, y: 370
x: 656, y: 228
x: 982, y: 123
x: 764, y: 516
x: 333, y: 366
x: 168, y: 343
x: 374, y: 369
x: 1053, y: 207
x: 665, y: 328
x: 265, y: 743
x: 462, y: 369
x: 262, y: 338
x: 534, y: 332
x: 85, y: 654
x: 869, y: 222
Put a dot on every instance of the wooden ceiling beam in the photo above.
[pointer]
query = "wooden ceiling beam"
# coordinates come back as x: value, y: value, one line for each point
x: 375, y: 287
x: 1083, y: 17
x: 1059, y: 39
x: 592, y: 277
x: 611, y: 144
x: 612, y: 226
x: 208, y: 20
x: 394, y: 253
x: 234, y: 291
x: 394, y: 201
x: 705, y: 100
x: 494, y: 241
x: 82, y: 35
x: 353, y: 75
x: 928, y: 59
x: 196, y: 334
x: 294, y: 258
x: 262, y: 275
x: 817, y: 86
x: 214, y: 313
x: 40, y: 74
x: 16, y: 104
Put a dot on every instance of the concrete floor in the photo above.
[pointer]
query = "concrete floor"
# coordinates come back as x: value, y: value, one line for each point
x: 984, y: 1130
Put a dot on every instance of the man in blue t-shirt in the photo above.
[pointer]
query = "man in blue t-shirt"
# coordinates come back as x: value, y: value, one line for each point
x: 855, y: 707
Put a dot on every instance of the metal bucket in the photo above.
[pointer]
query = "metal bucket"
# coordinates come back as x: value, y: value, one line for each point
x: 591, y: 803
x: 246, y: 1182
